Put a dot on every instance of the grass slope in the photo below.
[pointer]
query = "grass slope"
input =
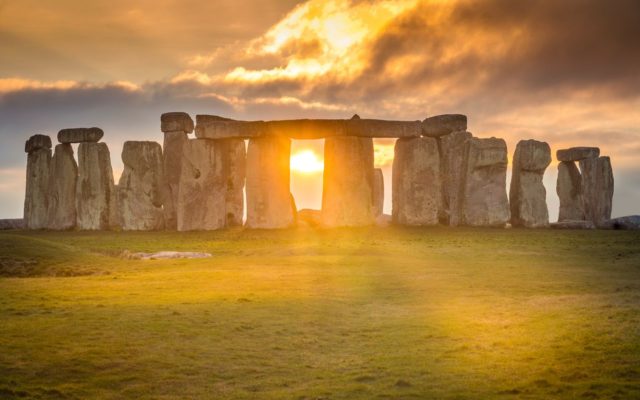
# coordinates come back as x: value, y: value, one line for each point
x: 336, y: 314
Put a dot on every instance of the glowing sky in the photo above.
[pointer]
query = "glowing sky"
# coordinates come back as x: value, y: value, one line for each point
x: 564, y: 72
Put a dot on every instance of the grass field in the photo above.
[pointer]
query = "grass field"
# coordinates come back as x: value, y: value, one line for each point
x: 312, y: 314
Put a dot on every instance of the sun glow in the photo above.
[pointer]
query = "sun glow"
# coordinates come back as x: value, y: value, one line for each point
x: 306, y: 162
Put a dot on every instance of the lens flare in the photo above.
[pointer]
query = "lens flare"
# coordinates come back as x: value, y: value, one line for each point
x: 306, y: 162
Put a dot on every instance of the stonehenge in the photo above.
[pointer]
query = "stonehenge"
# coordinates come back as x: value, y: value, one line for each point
x: 236, y: 173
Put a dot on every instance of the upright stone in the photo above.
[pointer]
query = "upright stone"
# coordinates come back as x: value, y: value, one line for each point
x: 348, y: 182
x: 63, y: 178
x: 597, y: 189
x: 378, y: 192
x: 452, y: 153
x: 483, y: 198
x: 38, y: 149
x: 527, y: 196
x: 417, y: 189
x: 175, y: 126
x: 235, y: 160
x: 569, y: 190
x: 95, y: 191
x: 142, y: 188
x: 269, y: 201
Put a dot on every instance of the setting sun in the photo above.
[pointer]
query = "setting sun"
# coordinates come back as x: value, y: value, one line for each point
x: 306, y: 161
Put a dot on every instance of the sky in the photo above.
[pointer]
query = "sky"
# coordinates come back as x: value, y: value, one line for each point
x: 565, y: 72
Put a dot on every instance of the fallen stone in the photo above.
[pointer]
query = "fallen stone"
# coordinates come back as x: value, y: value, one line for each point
x: 417, y: 190
x: 37, y: 142
x: 452, y: 161
x: 569, y: 190
x: 384, y: 220
x: 80, y: 135
x: 484, y: 199
x: 63, y: 178
x: 378, y: 192
x: 163, y: 255
x: 36, y: 200
x: 630, y: 223
x: 577, y: 153
x: 441, y: 125
x: 174, y: 142
x: 347, y: 191
x: 310, y: 218
x: 597, y: 188
x: 95, y: 191
x: 528, y: 196
x: 573, y: 224
x: 269, y: 202
x: 176, y: 122
x: 141, y: 189
x: 11, y: 223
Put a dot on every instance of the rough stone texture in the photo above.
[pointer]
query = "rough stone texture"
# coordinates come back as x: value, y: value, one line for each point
x: 527, y: 196
x: 378, y: 192
x: 347, y: 191
x: 577, y: 153
x: 174, y: 142
x: 417, y: 190
x: 63, y: 176
x: 483, y: 198
x: 142, y: 187
x: 569, y: 190
x: 573, y: 224
x: 11, y: 223
x: 630, y: 222
x: 176, y: 122
x: 80, y: 135
x: 36, y: 194
x: 441, y: 125
x: 216, y: 127
x: 37, y: 142
x: 597, y: 188
x: 95, y: 190
x: 452, y: 153
x: 269, y: 202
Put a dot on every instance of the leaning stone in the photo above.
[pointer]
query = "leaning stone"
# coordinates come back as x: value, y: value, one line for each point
x: 80, y: 135
x: 577, y: 153
x: 484, y: 199
x: 176, y: 122
x: 378, y: 192
x: 417, y: 190
x: 347, y: 191
x: 629, y: 223
x: 174, y: 142
x: 569, y: 191
x: 452, y: 153
x: 269, y: 202
x: 63, y: 178
x: 36, y: 200
x: 573, y: 224
x: 527, y: 196
x: 141, y: 189
x: 441, y: 125
x: 95, y: 190
x: 597, y: 188
x: 37, y: 142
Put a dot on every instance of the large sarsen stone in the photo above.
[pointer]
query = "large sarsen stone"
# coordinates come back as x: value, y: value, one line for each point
x: 597, y: 188
x: 452, y: 162
x: 36, y: 198
x: 569, y: 190
x: 95, y: 191
x: 528, y: 197
x: 63, y: 178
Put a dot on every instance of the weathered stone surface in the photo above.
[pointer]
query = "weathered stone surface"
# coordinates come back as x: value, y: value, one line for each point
x: 577, y: 153
x: 441, y: 125
x: 37, y: 142
x: 80, y: 135
x: 142, y: 187
x: 417, y: 190
x: 211, y: 183
x: 452, y: 160
x: 95, y: 191
x: 597, y: 188
x: 378, y: 192
x: 376, y: 128
x: 484, y: 195
x: 215, y: 127
x: 629, y: 223
x: 573, y: 224
x: 347, y: 191
x: 63, y: 176
x: 176, y: 122
x: 11, y: 223
x: 569, y: 190
x: 36, y: 200
x: 527, y: 196
x: 174, y: 142
x: 269, y: 202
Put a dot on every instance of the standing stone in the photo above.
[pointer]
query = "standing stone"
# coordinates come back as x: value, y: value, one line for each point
x: 36, y: 197
x: 211, y: 182
x: 597, y: 188
x: 348, y: 181
x: 569, y: 190
x: 141, y: 189
x: 417, y: 189
x: 63, y: 178
x: 452, y: 159
x: 527, y: 196
x: 95, y: 191
x: 378, y: 192
x: 269, y: 201
x: 175, y: 126
x: 484, y: 199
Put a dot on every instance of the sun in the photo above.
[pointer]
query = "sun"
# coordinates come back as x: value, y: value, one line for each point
x: 306, y: 162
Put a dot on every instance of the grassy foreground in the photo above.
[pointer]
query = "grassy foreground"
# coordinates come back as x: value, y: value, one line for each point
x: 311, y: 314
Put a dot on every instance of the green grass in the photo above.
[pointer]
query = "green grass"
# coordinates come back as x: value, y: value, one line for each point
x: 312, y: 314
